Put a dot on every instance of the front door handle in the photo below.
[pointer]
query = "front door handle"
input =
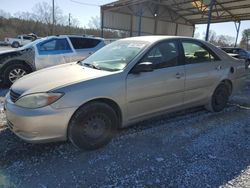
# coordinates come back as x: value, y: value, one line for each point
x: 218, y: 67
x: 178, y: 75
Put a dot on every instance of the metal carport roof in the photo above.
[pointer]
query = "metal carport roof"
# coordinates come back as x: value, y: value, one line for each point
x: 187, y: 12
x: 195, y: 11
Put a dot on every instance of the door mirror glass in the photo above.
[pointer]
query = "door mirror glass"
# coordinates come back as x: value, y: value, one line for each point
x: 143, y: 67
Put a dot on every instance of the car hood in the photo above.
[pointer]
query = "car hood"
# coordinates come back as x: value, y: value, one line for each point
x: 54, y: 77
x: 7, y: 52
x: 12, y: 53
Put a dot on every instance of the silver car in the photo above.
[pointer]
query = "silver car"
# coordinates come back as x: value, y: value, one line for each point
x: 45, y: 52
x: 125, y: 82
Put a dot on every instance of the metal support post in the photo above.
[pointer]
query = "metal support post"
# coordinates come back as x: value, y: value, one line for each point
x: 212, y: 2
x: 53, y: 16
x: 247, y: 40
x: 237, y: 30
x: 139, y: 14
x: 102, y: 23
x: 139, y: 29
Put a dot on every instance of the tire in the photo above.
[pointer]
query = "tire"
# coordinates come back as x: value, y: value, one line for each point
x: 219, y: 98
x: 247, y: 64
x: 15, y: 44
x: 92, y: 126
x: 9, y: 74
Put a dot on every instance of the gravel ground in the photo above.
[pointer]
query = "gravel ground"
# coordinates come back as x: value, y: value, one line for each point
x: 2, y: 116
x: 193, y: 148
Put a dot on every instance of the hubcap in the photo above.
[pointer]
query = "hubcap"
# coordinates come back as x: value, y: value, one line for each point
x: 15, y: 74
x: 95, y: 126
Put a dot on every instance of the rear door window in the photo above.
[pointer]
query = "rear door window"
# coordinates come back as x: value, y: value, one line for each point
x: 195, y: 52
x: 54, y: 46
x: 83, y: 43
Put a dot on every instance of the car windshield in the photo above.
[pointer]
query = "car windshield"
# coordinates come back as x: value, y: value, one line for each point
x: 115, y: 56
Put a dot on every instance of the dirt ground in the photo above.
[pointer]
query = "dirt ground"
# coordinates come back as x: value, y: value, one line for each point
x: 192, y: 148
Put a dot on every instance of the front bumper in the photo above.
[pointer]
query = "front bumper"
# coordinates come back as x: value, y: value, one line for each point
x: 38, y: 125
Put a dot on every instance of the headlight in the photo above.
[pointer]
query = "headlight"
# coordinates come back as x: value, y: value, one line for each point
x: 38, y: 100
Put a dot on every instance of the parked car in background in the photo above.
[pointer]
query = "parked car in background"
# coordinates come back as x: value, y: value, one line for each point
x: 20, y: 40
x: 238, y: 53
x: 125, y: 82
x: 45, y: 52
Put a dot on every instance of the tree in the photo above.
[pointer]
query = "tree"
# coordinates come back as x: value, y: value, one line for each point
x: 43, y: 12
x: 244, y: 43
x: 220, y: 40
x: 94, y: 23
x: 4, y: 14
x: 212, y: 37
x: 197, y: 35
x: 24, y: 15
x: 225, y: 41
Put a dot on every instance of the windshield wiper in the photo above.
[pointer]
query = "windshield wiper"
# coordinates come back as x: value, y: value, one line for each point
x: 79, y: 62
x: 99, y: 68
x: 92, y: 66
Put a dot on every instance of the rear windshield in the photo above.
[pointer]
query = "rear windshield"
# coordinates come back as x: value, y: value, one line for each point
x: 83, y: 43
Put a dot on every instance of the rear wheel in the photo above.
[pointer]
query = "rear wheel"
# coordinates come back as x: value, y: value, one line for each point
x: 13, y: 73
x: 219, y: 98
x: 92, y: 126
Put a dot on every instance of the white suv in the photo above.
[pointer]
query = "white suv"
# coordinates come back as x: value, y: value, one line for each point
x: 46, y: 52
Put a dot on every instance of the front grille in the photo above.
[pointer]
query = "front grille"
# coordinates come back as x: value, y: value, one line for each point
x: 14, y: 96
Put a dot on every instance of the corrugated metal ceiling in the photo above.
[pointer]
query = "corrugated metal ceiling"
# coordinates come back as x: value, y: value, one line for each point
x: 195, y: 11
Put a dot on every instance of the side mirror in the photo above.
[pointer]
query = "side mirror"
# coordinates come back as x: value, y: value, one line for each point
x: 143, y: 67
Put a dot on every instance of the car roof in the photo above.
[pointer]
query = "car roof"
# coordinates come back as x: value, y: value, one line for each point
x: 155, y: 38
x: 81, y: 36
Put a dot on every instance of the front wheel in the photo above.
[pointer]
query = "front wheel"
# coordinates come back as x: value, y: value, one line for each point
x: 219, y: 98
x: 92, y: 126
x: 13, y: 73
x: 15, y: 44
